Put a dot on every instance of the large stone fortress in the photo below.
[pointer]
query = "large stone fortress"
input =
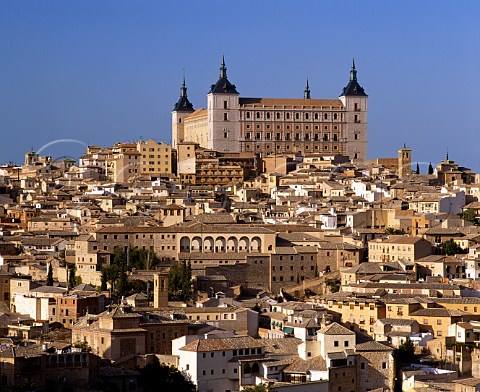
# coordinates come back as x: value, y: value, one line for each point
x: 275, y: 125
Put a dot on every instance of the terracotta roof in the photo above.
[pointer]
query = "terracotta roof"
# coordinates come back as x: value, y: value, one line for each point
x: 221, y: 344
x: 335, y: 329
x: 372, y: 346
x: 439, y: 312
x: 296, y: 102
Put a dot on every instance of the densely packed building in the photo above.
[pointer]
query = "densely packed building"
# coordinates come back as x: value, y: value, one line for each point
x: 312, y: 268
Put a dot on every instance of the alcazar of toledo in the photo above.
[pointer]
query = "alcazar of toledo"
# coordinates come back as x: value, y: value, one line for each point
x: 275, y: 125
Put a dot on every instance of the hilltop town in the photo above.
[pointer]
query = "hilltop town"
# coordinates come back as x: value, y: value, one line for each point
x: 262, y: 250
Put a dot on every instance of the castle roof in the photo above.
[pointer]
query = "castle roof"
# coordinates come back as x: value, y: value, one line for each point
x: 353, y: 88
x: 183, y: 104
x: 223, y: 85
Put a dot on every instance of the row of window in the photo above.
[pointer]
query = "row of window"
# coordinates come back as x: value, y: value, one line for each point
x: 287, y: 127
x: 126, y: 236
x: 298, y: 137
x: 151, y: 149
x: 259, y: 147
x: 292, y: 278
x: 291, y: 268
x: 296, y: 115
x: 153, y: 156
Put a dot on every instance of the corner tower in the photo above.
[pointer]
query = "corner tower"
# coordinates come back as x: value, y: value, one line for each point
x: 223, y: 114
x: 181, y: 109
x: 355, y: 103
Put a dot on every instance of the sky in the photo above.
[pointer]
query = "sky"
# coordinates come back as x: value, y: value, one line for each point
x: 76, y: 73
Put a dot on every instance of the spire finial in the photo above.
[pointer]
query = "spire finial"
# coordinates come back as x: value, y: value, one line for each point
x: 306, y: 92
x: 183, y: 89
x: 353, y: 71
x: 223, y: 69
x: 447, y: 153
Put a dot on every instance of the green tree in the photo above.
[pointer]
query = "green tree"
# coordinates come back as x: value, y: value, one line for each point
x: 333, y: 285
x: 142, y: 259
x: 406, y: 352
x: 430, y: 168
x: 103, y: 285
x: 50, y: 275
x: 110, y: 272
x: 470, y: 215
x: 180, y: 281
x: 161, y: 377
x: 392, y: 231
x: 72, y: 280
x: 417, y: 171
x: 451, y: 248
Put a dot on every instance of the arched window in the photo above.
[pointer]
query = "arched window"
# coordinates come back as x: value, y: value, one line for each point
x: 247, y: 369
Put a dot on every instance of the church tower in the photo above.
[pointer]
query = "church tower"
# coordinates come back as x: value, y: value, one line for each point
x: 404, y: 163
x: 160, y: 290
x: 181, y: 110
x: 355, y: 102
x: 223, y: 114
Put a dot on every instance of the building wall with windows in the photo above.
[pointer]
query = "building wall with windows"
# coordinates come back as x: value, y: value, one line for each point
x: 156, y: 158
x: 279, y: 125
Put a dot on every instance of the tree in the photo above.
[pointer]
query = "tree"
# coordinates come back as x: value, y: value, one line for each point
x: 430, y: 168
x: 470, y: 215
x: 406, y: 352
x: 451, y: 248
x: 333, y: 285
x: 180, y: 281
x: 417, y: 171
x: 72, y: 281
x: 392, y: 231
x: 161, y: 377
x: 50, y: 275
x: 103, y: 285
x: 142, y: 259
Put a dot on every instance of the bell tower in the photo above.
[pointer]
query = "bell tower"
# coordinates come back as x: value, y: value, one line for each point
x: 355, y: 103
x: 223, y: 114
x: 181, y: 109
x: 160, y: 290
x: 404, y: 163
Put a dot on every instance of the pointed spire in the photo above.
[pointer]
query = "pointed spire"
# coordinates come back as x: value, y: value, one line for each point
x: 447, y: 153
x: 183, y: 104
x: 306, y: 92
x: 183, y: 89
x: 223, y: 69
x: 353, y: 71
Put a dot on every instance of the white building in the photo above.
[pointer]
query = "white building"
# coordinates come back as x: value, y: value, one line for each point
x: 212, y: 364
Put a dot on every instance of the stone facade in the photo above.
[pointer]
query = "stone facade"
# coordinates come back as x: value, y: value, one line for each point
x: 276, y: 125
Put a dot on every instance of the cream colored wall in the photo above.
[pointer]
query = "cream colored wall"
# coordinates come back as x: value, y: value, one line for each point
x: 196, y: 129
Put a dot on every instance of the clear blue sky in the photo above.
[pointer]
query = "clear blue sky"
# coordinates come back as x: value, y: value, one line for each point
x: 106, y: 71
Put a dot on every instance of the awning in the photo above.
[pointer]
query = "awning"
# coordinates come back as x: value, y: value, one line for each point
x: 288, y: 329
